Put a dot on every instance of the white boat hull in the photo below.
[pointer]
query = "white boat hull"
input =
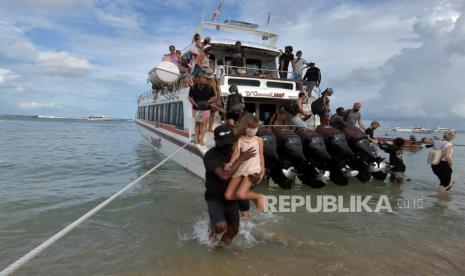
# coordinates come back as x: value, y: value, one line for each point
x: 163, y: 140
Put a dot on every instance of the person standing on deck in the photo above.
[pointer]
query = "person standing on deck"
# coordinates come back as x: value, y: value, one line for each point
x: 223, y: 214
x: 298, y: 65
x: 284, y: 60
x: 312, y: 77
x: 237, y: 60
x: 201, y: 95
x: 172, y: 56
x: 354, y: 117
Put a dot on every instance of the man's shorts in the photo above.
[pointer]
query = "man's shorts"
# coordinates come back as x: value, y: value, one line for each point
x: 200, y: 115
x: 223, y: 210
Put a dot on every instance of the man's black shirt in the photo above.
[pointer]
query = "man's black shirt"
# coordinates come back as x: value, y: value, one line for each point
x: 216, y: 187
x: 313, y: 74
x: 370, y: 132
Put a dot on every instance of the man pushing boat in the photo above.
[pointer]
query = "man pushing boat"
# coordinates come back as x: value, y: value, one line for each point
x: 224, y: 214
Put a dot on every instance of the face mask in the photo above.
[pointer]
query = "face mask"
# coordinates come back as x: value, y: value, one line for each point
x: 251, y: 131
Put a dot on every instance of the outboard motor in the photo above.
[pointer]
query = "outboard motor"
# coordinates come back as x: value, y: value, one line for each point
x: 366, y: 162
x: 341, y: 154
x: 290, y: 150
x: 273, y: 163
x: 317, y: 156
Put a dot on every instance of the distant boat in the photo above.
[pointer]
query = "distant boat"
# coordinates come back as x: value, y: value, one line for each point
x: 98, y: 118
x: 441, y: 129
x: 421, y: 130
x: 403, y: 129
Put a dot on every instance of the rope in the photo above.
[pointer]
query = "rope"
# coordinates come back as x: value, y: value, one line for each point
x: 36, y: 251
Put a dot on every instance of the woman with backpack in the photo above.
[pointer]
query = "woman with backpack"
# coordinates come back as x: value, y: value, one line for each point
x: 321, y: 108
x: 440, y: 159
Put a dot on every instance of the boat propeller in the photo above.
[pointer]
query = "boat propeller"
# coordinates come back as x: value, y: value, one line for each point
x: 382, y: 166
x: 322, y: 175
x: 348, y: 172
x: 289, y: 173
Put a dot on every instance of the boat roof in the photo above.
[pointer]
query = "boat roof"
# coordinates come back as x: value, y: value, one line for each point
x: 268, y: 37
x: 228, y: 44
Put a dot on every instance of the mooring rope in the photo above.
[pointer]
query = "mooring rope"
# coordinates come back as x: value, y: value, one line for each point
x: 36, y: 251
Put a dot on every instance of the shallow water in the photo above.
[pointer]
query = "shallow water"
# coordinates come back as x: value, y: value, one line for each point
x: 53, y: 171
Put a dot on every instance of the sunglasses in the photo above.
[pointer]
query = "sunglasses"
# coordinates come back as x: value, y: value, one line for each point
x: 223, y: 133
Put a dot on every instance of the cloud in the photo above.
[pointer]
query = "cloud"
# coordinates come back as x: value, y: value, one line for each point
x: 38, y: 105
x: 10, y: 80
x: 62, y: 63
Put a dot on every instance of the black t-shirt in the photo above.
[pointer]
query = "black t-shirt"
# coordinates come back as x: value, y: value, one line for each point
x: 237, y: 57
x: 201, y: 94
x: 216, y: 187
x: 313, y: 74
x: 370, y: 132
x: 395, y: 157
x: 286, y: 58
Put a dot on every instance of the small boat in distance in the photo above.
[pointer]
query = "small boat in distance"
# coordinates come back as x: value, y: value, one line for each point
x: 403, y: 129
x: 442, y: 129
x: 98, y: 118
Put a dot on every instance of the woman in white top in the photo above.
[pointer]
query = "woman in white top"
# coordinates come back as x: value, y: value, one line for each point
x: 443, y: 170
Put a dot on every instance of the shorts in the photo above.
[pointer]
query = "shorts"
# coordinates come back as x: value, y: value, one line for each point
x: 297, y: 77
x: 297, y: 121
x: 244, y: 205
x: 200, y: 114
x: 443, y: 172
x: 223, y: 210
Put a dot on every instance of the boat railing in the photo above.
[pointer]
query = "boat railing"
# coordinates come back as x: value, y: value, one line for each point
x: 262, y: 73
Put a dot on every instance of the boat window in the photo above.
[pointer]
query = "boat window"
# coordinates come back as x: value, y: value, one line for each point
x: 159, y: 113
x: 179, y: 116
x: 162, y: 114
x: 244, y: 82
x: 282, y: 85
x: 172, y: 116
x: 166, y: 113
x: 250, y: 107
x: 266, y: 111
x: 151, y: 112
x: 155, y: 113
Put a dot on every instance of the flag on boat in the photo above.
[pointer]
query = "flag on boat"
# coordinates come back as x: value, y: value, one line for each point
x: 216, y: 12
x: 268, y: 20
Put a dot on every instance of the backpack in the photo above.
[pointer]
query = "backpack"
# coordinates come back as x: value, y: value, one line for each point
x: 235, y: 102
x: 435, y: 156
x: 291, y: 107
x: 317, y: 106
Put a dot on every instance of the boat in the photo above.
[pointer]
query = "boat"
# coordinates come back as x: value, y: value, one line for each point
x: 421, y: 130
x: 164, y: 114
x: 442, y: 129
x: 410, y: 143
x: 403, y: 129
x: 98, y: 118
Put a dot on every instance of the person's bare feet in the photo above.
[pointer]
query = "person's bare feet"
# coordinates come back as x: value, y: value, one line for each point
x: 245, y: 214
x: 450, y: 186
x: 261, y: 203
x: 442, y: 189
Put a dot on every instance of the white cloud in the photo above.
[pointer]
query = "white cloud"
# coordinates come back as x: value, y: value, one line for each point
x: 38, y: 105
x: 62, y: 63
x: 10, y: 80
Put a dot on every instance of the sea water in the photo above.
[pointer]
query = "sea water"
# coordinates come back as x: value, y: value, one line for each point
x: 54, y: 170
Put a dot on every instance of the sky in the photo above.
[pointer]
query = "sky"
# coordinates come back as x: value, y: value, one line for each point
x: 404, y: 60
